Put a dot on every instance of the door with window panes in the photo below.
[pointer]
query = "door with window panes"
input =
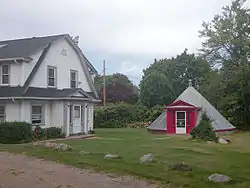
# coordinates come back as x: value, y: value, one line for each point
x: 180, y: 122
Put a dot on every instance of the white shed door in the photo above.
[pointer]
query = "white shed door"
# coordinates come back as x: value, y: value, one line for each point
x: 180, y: 122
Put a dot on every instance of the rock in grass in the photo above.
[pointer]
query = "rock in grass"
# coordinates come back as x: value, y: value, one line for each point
x: 111, y: 156
x: 146, y: 158
x: 223, y: 141
x: 84, y: 153
x: 181, y: 167
x: 219, y: 178
x: 50, y: 145
x: 63, y: 147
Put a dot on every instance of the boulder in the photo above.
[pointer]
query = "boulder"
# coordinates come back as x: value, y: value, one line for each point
x: 111, y: 156
x: 223, y: 141
x: 50, y: 145
x: 209, y: 142
x: 63, y: 147
x: 219, y: 178
x: 146, y: 158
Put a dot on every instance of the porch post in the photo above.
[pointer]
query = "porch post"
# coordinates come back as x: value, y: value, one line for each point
x: 68, y: 119
x: 86, y: 121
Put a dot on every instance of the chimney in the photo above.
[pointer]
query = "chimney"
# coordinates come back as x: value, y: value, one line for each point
x: 76, y: 39
x: 189, y: 83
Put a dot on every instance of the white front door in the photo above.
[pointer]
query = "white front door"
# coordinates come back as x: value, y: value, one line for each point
x: 180, y: 122
x: 76, y: 119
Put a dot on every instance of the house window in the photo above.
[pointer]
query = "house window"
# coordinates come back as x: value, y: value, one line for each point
x: 51, y: 76
x: 73, y: 79
x: 180, y: 119
x: 5, y: 74
x: 37, y: 114
x: 77, y: 111
x: 2, y: 113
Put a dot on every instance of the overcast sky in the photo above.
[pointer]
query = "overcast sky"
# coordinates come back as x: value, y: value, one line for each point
x: 128, y: 34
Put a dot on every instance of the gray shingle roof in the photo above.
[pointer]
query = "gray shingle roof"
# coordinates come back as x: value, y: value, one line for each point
x: 25, y: 47
x: 41, y: 92
x: 192, y: 96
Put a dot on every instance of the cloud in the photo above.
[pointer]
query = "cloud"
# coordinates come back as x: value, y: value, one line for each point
x: 129, y: 34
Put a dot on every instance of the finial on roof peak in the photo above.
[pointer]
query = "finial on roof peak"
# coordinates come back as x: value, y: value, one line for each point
x: 189, y: 82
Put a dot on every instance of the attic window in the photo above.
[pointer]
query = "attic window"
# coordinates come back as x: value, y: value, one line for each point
x: 64, y: 52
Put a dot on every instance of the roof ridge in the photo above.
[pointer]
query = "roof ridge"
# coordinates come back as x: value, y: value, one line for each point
x: 30, y: 38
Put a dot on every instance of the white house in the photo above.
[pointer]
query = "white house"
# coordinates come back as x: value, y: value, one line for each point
x: 47, y: 81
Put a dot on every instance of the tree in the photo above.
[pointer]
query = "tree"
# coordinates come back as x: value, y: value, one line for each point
x: 118, y: 88
x: 165, y: 79
x: 227, y: 44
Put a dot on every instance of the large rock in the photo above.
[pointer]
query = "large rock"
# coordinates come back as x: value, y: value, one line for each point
x: 223, y: 141
x: 63, y: 147
x: 219, y: 178
x: 50, y: 145
x: 146, y: 158
x: 111, y: 156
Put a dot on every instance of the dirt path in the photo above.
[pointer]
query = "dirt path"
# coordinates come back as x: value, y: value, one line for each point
x: 28, y: 172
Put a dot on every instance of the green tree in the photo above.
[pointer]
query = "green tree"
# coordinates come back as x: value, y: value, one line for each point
x: 227, y: 45
x: 118, y: 88
x: 165, y: 79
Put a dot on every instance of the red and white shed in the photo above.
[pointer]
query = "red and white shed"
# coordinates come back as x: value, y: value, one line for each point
x: 185, y: 112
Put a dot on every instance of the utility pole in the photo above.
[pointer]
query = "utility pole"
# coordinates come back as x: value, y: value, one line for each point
x: 104, y: 84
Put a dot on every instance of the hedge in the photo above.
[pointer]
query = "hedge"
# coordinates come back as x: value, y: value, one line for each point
x: 15, y: 132
x: 47, y: 133
x: 121, y: 114
x: 21, y: 132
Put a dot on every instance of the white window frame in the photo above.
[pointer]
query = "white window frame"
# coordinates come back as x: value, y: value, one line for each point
x: 55, y: 76
x: 76, y: 80
x: 3, y: 116
x: 8, y: 74
x: 33, y: 116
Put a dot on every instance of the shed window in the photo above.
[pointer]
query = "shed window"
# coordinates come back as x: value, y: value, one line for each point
x: 180, y: 119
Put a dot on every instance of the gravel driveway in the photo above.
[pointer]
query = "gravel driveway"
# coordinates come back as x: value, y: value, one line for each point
x: 28, y: 172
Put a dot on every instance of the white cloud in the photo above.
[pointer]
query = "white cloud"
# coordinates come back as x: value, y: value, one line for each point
x: 125, y: 28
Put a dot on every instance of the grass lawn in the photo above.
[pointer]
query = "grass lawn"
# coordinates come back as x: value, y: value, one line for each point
x: 232, y: 160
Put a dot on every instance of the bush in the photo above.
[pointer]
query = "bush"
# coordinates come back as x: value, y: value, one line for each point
x: 15, y: 132
x: 48, y: 133
x: 204, y: 130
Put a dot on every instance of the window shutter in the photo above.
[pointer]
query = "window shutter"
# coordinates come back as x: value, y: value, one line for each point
x: 70, y: 114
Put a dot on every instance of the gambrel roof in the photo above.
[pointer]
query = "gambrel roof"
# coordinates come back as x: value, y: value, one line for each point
x: 24, y: 48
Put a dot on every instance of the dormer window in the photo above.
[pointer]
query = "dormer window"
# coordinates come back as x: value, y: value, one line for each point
x: 5, y: 75
x: 73, y: 79
x: 52, y: 76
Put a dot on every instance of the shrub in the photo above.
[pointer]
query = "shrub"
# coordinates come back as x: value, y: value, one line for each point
x: 15, y: 132
x: 48, y: 133
x: 204, y: 130
x: 122, y: 114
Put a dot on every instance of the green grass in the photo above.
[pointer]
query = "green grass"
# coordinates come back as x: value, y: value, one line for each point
x: 232, y: 160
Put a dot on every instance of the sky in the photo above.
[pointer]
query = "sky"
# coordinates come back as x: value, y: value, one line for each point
x: 127, y: 34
